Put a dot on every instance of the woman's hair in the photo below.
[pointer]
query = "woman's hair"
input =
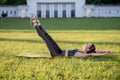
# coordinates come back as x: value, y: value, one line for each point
x: 91, y: 48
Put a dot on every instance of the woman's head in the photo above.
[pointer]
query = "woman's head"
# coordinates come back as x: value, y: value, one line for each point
x: 89, y: 48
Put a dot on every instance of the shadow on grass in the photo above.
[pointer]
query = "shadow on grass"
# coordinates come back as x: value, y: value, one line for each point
x: 103, y: 58
x: 107, y: 58
x: 21, y: 40
x: 65, y: 42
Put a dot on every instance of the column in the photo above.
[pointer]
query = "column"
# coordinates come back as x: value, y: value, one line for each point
x: 51, y: 10
x: 59, y: 10
x: 42, y: 10
x: 67, y: 10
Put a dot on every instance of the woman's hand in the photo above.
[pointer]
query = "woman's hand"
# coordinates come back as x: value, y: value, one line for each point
x: 108, y: 52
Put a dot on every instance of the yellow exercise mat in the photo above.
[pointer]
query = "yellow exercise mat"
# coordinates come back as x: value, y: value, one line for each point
x: 33, y: 55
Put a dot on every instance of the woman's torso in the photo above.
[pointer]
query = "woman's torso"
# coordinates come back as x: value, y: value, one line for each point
x: 71, y: 52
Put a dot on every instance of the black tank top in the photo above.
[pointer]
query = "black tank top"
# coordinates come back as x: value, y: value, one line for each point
x: 70, y: 52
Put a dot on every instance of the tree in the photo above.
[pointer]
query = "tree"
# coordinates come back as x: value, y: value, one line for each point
x: 4, y: 14
x: 2, y: 1
x: 107, y: 1
x: 15, y: 2
x: 102, y: 1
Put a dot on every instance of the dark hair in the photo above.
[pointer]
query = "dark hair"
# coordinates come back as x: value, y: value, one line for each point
x: 91, y: 48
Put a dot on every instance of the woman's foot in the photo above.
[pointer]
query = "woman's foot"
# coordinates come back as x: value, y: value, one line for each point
x: 35, y: 21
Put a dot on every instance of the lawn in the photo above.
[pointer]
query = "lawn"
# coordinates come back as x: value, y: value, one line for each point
x: 18, y: 36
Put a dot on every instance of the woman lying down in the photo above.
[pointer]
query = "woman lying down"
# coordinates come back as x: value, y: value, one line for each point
x: 88, y: 49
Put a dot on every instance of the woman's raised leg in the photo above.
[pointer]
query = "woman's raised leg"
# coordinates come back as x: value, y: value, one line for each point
x: 51, y: 44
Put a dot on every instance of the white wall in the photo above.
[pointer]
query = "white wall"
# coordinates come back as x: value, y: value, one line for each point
x: 101, y: 11
x: 14, y: 11
x: 81, y: 10
x: 10, y: 10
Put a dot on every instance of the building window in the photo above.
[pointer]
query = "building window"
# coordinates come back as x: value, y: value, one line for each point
x: 56, y: 10
x: 56, y: 14
x: 47, y: 13
x: 10, y: 12
x: 73, y: 10
x: 15, y: 12
x: 39, y: 13
x: 47, y: 10
x: 109, y: 12
x: 64, y: 13
x: 72, y: 13
x: 64, y: 10
x: 39, y: 9
x: 117, y: 11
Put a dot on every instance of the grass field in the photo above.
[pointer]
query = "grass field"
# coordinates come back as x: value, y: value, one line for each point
x: 18, y: 36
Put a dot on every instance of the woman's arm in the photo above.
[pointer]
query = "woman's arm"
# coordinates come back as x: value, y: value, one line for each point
x: 103, y: 51
x: 79, y: 54
x: 97, y: 54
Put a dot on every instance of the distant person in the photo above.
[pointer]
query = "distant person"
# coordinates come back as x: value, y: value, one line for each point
x: 88, y: 49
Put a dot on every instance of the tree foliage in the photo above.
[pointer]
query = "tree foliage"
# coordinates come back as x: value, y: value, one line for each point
x: 19, y: 2
x: 14, y: 2
x: 102, y: 1
x: 4, y: 14
x: 2, y: 1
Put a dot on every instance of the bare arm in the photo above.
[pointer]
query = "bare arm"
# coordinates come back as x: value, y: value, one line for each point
x: 102, y: 53
x: 98, y: 54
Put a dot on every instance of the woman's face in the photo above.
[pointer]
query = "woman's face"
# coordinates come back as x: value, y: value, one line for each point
x: 86, y: 48
x: 89, y: 48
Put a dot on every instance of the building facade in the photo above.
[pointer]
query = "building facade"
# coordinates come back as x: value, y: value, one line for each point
x: 14, y: 11
x: 60, y: 9
x: 56, y: 8
x: 102, y: 11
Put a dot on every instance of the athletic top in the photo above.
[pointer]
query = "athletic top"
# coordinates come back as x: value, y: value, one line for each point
x: 72, y: 53
x: 69, y: 52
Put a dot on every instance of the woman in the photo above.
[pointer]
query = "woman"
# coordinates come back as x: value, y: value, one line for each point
x: 55, y: 50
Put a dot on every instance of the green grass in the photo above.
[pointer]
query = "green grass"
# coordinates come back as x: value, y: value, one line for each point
x: 18, y: 36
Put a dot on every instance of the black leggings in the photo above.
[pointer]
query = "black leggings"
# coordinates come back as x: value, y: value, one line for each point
x: 51, y: 44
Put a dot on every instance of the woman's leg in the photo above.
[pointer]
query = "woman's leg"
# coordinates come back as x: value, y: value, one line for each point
x: 54, y: 51
x: 51, y: 44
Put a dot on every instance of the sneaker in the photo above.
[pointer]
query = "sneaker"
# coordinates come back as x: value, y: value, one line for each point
x: 35, y: 21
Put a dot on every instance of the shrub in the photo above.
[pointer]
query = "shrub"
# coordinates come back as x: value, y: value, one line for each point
x: 4, y: 14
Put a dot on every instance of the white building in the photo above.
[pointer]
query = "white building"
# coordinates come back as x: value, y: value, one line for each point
x: 14, y: 11
x: 60, y: 9
x: 102, y: 11
x: 56, y: 8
